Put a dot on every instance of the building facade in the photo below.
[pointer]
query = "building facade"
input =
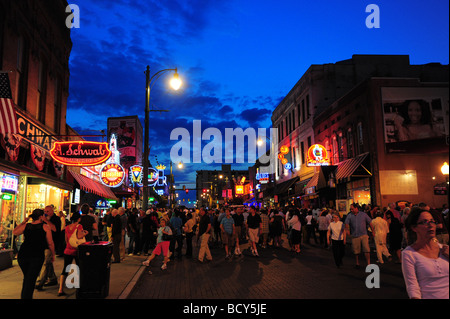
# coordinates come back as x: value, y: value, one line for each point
x: 35, y: 46
x: 313, y: 113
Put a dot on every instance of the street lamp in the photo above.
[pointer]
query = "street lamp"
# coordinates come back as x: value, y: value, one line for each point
x: 150, y: 81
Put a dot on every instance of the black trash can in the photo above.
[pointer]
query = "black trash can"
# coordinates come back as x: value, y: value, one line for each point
x: 95, y: 268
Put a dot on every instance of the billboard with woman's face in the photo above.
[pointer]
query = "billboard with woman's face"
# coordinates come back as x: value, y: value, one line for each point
x: 415, y: 117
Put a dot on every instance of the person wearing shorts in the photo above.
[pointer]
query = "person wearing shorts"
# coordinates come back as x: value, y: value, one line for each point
x: 162, y: 246
x: 254, y: 226
x: 228, y: 232
x: 357, y: 223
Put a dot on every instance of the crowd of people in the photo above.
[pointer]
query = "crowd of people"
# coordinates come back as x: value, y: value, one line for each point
x: 412, y: 235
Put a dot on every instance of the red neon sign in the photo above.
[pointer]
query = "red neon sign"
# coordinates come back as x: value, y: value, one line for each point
x: 112, y: 175
x: 317, y: 156
x: 80, y: 153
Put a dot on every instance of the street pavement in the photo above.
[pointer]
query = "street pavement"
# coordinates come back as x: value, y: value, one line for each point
x: 276, y: 274
x: 123, y: 276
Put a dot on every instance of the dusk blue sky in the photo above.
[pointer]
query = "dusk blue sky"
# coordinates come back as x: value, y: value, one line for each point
x: 237, y: 59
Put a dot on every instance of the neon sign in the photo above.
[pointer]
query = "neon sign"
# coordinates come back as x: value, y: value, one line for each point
x: 112, y: 175
x: 136, y: 175
x: 239, y: 189
x: 80, y: 153
x: 9, y: 184
x: 317, y: 156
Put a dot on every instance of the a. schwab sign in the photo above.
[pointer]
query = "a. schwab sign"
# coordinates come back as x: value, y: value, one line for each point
x: 80, y: 153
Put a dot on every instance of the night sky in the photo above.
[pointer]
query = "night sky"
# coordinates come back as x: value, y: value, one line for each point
x: 237, y: 59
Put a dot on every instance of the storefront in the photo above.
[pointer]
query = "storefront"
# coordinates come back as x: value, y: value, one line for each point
x: 8, y: 198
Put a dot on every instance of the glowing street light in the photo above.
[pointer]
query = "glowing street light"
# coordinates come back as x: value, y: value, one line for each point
x: 175, y: 83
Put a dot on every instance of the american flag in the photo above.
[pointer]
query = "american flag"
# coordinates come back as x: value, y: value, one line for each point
x: 8, y: 119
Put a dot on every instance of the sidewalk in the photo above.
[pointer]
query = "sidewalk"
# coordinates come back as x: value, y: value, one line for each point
x: 123, y: 277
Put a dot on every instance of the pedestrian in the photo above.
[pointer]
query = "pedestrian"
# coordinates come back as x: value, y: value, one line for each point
x: 96, y: 228
x: 88, y: 222
x: 189, y: 230
x: 296, y: 227
x: 264, y: 227
x: 47, y: 276
x: 337, y: 237
x: 228, y: 232
x: 133, y: 232
x: 238, y: 226
x: 124, y: 221
x: 381, y: 230
x: 356, y: 224
x: 116, y: 234
x: 177, y: 223
x: 310, y: 227
x: 31, y: 256
x: 276, y: 228
x: 148, y: 228
x: 425, y: 265
x: 204, y: 232
x: 71, y: 253
x: 395, y: 235
x: 323, y: 223
x: 162, y: 245
x: 254, y: 227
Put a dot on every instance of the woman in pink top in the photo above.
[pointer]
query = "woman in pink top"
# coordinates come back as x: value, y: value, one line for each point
x: 425, y: 261
x: 70, y: 253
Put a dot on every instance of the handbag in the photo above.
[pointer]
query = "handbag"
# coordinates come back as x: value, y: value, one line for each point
x: 167, y: 237
x: 74, y: 241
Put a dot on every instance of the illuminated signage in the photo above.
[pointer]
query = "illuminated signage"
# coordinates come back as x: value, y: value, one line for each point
x: 263, y: 178
x: 317, y: 156
x: 136, y: 175
x: 9, y: 184
x: 80, y: 153
x: 284, y: 149
x: 239, y: 189
x: 112, y: 175
x: 287, y: 166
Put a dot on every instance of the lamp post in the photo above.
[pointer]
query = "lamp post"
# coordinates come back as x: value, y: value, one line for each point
x: 150, y: 81
x: 171, y: 190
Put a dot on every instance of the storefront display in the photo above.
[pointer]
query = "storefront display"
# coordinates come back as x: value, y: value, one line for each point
x: 39, y: 196
x: 8, y: 191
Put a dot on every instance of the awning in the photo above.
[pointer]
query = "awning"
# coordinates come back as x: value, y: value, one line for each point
x: 313, y: 181
x: 284, y: 186
x: 348, y: 167
x: 92, y: 186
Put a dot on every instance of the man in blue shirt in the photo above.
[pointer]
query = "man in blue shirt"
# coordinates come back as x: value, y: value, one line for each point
x: 228, y: 232
x: 356, y: 225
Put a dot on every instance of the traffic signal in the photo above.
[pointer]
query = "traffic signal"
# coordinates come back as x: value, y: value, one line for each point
x: 187, y: 191
x: 204, y: 190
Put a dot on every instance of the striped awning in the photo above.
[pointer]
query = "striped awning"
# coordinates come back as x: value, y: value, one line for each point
x: 313, y: 181
x: 348, y: 167
x: 92, y: 186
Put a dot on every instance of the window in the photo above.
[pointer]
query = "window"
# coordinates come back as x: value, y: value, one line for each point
x: 360, y: 138
x: 293, y: 119
x: 58, y: 106
x: 335, y: 150
x: 307, y: 107
x: 302, y: 149
x: 42, y: 92
x: 350, y: 143
x: 22, y: 70
x: 309, y: 142
x: 340, y: 147
x: 303, y: 111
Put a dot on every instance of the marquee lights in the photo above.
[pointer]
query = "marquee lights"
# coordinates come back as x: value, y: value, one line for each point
x: 80, y: 153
